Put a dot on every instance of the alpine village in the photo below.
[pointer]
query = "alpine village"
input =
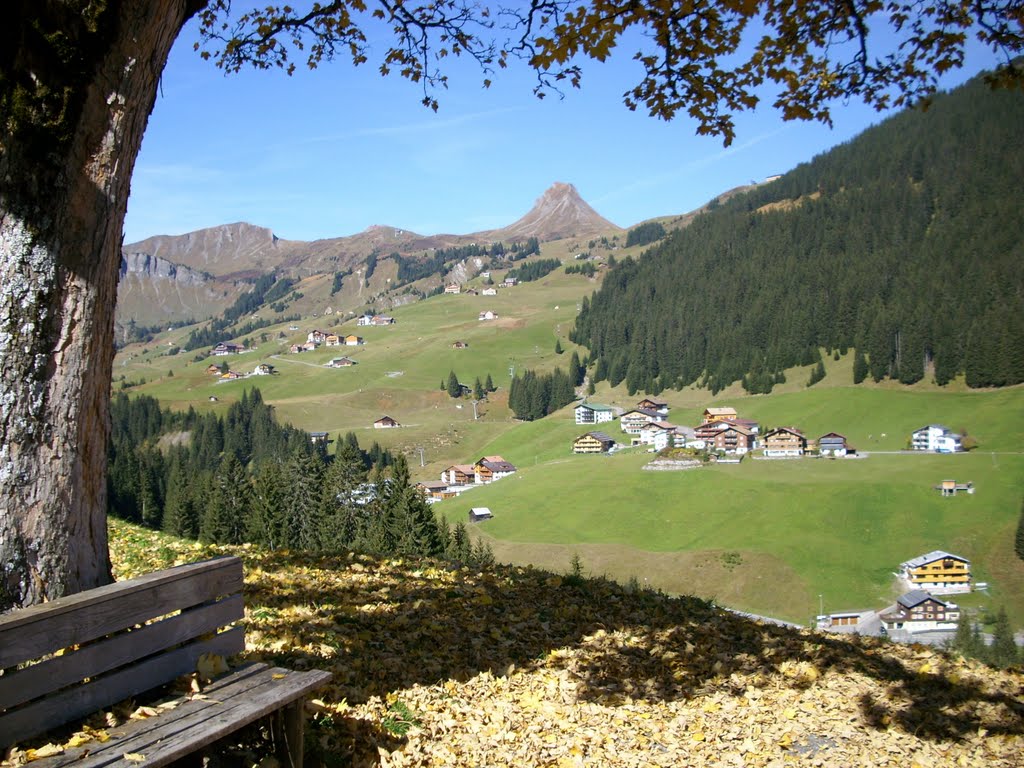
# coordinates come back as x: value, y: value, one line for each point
x: 741, y: 486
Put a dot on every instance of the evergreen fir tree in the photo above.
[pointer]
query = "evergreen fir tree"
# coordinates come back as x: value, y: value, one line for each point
x: 558, y: 347
x: 478, y: 389
x: 224, y: 518
x: 271, y: 497
x: 489, y: 384
x: 1003, y: 652
x: 860, y: 367
x: 454, y: 388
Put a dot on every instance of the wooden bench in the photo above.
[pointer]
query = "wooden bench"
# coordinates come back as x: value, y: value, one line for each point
x: 64, y: 660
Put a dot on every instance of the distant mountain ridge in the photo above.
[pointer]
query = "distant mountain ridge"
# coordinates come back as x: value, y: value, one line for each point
x: 212, y: 261
x: 244, y: 250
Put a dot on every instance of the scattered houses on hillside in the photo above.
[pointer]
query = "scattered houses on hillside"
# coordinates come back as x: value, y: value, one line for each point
x: 593, y: 442
x: 592, y: 413
x: 935, y: 438
x: 487, y: 315
x: 460, y: 344
x: 453, y: 288
x: 230, y: 376
x: 489, y: 291
x: 263, y: 369
x: 939, y: 572
x: 353, y: 341
x: 484, y: 470
x: 319, y: 437
x: 340, y: 362
x: 385, y: 422
x: 213, y: 370
x: 316, y: 336
x: 332, y: 340
x: 509, y: 282
x: 227, y: 348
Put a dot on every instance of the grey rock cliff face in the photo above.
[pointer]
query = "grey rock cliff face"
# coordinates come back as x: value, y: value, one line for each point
x: 156, y: 268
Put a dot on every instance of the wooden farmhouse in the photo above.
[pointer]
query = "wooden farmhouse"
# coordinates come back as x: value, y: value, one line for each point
x: 592, y: 442
x: 653, y: 405
x: 917, y: 611
x: 833, y: 444
x: 435, y: 490
x: 785, y: 441
x: 459, y: 474
x: 453, y: 288
x: 353, y: 341
x: 341, y: 362
x: 487, y: 469
x: 718, y: 414
x: 939, y: 572
x: 725, y: 436
x: 332, y: 340
x: 385, y: 422
x: 633, y: 421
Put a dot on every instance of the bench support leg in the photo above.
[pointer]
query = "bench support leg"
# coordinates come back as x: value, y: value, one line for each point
x: 288, y: 734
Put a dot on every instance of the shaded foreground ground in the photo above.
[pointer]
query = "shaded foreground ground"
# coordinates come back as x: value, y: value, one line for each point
x: 435, y: 665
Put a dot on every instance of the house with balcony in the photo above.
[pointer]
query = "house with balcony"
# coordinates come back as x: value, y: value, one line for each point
x: 633, y: 421
x: 487, y: 469
x: 719, y: 414
x: 935, y: 438
x: 592, y: 413
x: 592, y: 442
x: 939, y: 572
x: 918, y: 611
x: 783, y: 442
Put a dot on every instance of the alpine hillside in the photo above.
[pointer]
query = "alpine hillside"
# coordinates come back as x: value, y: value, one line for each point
x: 904, y: 244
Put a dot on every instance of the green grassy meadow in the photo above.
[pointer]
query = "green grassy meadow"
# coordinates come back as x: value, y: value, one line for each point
x: 764, y: 536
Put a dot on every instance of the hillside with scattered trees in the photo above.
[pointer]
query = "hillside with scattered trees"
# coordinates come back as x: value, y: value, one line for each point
x: 903, y: 244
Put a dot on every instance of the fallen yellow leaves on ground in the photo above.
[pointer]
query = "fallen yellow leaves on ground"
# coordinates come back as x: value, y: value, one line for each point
x: 436, y: 665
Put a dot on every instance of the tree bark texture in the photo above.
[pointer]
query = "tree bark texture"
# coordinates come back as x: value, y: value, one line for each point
x: 78, y: 80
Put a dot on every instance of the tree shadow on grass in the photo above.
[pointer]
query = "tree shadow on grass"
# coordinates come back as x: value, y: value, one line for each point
x: 381, y: 626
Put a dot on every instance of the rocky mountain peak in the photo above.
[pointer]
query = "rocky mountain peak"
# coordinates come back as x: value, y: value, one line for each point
x: 559, y: 212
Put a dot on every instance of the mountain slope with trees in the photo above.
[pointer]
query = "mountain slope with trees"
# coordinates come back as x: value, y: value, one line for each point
x: 903, y: 243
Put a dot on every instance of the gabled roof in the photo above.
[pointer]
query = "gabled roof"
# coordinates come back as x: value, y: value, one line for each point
x: 601, y: 436
x: 466, y: 469
x: 594, y: 406
x: 498, y: 466
x: 720, y: 411
x: 916, y: 597
x: 931, y: 557
x: 944, y: 430
x: 644, y: 411
x: 790, y: 430
x: 833, y: 435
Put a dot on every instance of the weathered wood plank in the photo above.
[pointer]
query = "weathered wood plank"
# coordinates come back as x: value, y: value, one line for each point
x: 36, y: 631
x: 77, y: 702
x: 241, y: 698
x: 105, y: 655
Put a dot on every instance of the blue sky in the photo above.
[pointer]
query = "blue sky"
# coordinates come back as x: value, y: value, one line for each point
x: 330, y: 152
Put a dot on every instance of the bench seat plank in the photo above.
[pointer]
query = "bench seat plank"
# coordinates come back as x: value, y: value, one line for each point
x: 105, y: 655
x: 77, y: 702
x: 232, y: 702
x: 33, y: 632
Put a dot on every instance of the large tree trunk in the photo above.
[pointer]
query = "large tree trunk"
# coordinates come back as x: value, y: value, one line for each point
x: 78, y: 80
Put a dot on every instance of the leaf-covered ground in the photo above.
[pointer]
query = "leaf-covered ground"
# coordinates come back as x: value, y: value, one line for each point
x: 440, y: 666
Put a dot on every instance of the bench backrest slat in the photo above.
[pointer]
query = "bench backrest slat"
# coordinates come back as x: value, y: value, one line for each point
x: 81, y: 700
x: 39, y: 630
x: 116, y: 651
